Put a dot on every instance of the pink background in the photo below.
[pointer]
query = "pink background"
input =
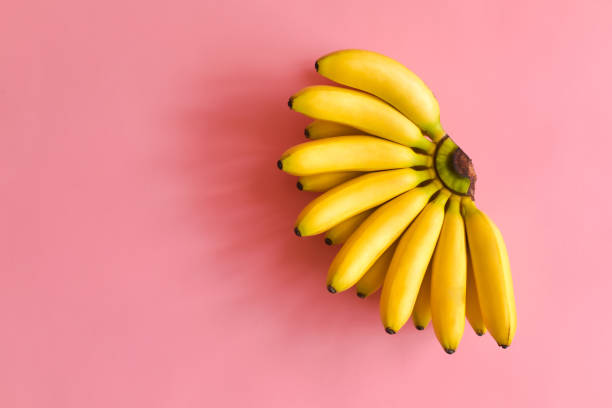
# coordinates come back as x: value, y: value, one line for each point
x: 147, y: 251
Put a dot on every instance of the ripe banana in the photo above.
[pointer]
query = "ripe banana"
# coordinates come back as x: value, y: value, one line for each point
x: 375, y: 276
x: 349, y: 153
x: 421, y: 314
x: 396, y: 190
x: 448, y: 279
x: 409, y: 264
x: 359, y: 110
x: 325, y: 181
x: 491, y: 274
x: 340, y: 233
x: 472, y: 305
x: 375, y: 235
x: 389, y: 80
x: 319, y: 129
x: 355, y: 196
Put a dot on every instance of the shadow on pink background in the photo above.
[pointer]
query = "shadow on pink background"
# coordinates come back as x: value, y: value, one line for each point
x: 148, y: 258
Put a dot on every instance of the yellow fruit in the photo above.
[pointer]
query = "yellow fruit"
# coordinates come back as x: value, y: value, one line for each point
x: 409, y: 264
x: 448, y: 279
x: 389, y: 80
x: 491, y: 274
x: 340, y: 233
x: 375, y: 235
x: 359, y: 110
x: 355, y: 196
x: 325, y: 181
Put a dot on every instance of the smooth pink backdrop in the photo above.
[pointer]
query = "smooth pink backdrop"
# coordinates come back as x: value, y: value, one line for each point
x: 147, y: 255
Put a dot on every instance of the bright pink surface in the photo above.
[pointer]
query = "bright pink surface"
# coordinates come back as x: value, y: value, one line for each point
x: 147, y: 252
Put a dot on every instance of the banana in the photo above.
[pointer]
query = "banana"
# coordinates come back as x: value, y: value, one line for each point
x: 359, y: 110
x: 325, y: 181
x: 355, y: 196
x: 491, y: 274
x: 318, y: 129
x: 472, y: 305
x: 448, y: 279
x: 389, y: 80
x: 409, y: 264
x: 349, y: 153
x: 421, y: 314
x: 339, y: 233
x: 375, y: 276
x: 375, y: 235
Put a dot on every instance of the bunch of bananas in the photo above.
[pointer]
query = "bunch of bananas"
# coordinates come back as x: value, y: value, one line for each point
x: 398, y: 193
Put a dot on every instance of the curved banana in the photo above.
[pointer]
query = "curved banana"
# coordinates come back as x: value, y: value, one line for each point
x: 491, y: 274
x: 409, y: 264
x: 349, y: 153
x: 319, y: 129
x: 472, y: 305
x: 375, y: 235
x: 389, y: 80
x: 421, y: 314
x: 325, y: 181
x: 359, y: 110
x: 355, y: 196
x: 448, y: 279
x: 340, y: 233
x: 375, y: 276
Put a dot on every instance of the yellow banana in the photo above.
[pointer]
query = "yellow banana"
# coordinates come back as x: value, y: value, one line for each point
x: 325, y: 181
x: 375, y: 276
x: 318, y: 129
x: 421, y: 314
x: 359, y: 110
x: 355, y: 196
x: 448, y: 279
x: 491, y: 274
x: 339, y: 233
x: 472, y: 305
x: 349, y: 153
x: 389, y: 80
x: 375, y: 235
x: 409, y: 264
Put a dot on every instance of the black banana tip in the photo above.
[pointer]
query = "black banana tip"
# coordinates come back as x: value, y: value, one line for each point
x: 419, y: 327
x: 389, y: 330
x: 449, y: 351
x: 361, y: 295
x: 307, y: 133
x: 279, y: 164
x: 317, y: 66
x: 480, y: 333
x: 297, y: 232
x: 299, y: 186
x: 504, y: 346
x: 331, y: 289
x: 290, y: 103
x: 328, y: 241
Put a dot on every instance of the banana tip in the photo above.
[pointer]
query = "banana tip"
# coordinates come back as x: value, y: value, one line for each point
x: 279, y: 164
x: 361, y: 295
x: 299, y: 186
x: 317, y: 66
x: 328, y: 241
x: 449, y: 351
x: 480, y: 333
x: 297, y: 232
x: 307, y: 133
x: 504, y: 346
x: 389, y: 330
x: 290, y: 103
x: 418, y: 327
x: 331, y: 289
